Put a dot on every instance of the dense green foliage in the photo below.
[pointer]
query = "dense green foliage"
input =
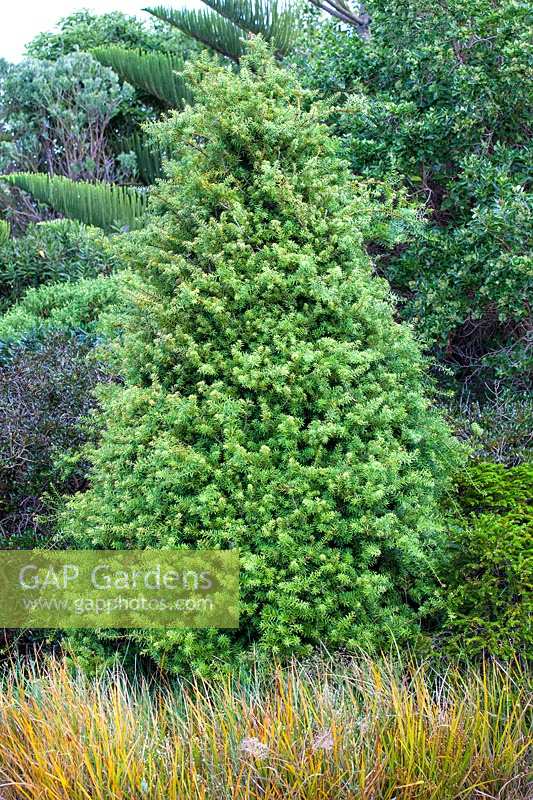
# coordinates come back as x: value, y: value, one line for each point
x: 489, y: 591
x: 441, y: 94
x: 70, y: 308
x: 103, y: 205
x: 471, y: 286
x: 46, y: 379
x: 271, y: 401
x: 61, y: 250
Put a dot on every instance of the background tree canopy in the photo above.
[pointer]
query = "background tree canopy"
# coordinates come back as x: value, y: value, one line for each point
x: 440, y: 94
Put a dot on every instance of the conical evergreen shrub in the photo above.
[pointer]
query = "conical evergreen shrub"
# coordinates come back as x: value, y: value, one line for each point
x: 271, y: 402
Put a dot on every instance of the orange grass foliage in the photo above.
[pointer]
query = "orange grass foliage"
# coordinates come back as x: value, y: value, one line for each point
x: 327, y: 731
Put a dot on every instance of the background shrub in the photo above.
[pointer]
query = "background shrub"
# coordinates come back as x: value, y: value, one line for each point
x: 58, y: 115
x: 61, y: 250
x: 83, y: 30
x: 439, y: 94
x: 73, y: 308
x: 489, y: 589
x: 45, y: 390
x: 498, y: 429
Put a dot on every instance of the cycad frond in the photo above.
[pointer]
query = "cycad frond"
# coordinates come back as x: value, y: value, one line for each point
x: 153, y: 73
x: 148, y: 154
x: 101, y: 204
x: 206, y: 27
x: 222, y: 31
x: 5, y: 231
x: 277, y: 26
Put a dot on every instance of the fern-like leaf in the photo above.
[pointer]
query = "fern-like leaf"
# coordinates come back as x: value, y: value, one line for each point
x: 101, y: 204
x: 222, y: 31
x: 154, y: 73
x: 148, y: 154
x: 5, y: 231
x: 277, y: 26
x: 207, y: 27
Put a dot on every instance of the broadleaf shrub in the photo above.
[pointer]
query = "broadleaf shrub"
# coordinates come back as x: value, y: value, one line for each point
x: 52, y: 252
x: 440, y: 94
x: 499, y: 429
x: 83, y: 30
x: 45, y: 391
x: 59, y: 115
x: 271, y: 402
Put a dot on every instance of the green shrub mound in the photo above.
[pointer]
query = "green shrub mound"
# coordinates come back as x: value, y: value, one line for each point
x: 489, y: 591
x: 52, y: 252
x: 60, y: 115
x: 47, y: 377
x: 83, y: 30
x: 271, y: 402
x: 73, y: 308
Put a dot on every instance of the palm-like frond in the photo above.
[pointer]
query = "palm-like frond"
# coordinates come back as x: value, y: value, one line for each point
x: 101, y: 204
x: 206, y: 27
x: 277, y: 25
x: 148, y: 154
x: 153, y: 73
x: 5, y: 231
x: 222, y: 31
